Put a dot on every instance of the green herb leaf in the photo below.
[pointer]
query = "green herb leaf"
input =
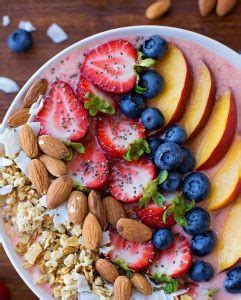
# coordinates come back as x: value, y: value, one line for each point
x: 121, y: 264
x: 139, y: 89
x: 146, y: 62
x: 178, y: 208
x: 96, y: 104
x: 137, y: 149
x: 168, y: 284
x: 69, y: 156
x: 150, y: 191
x: 81, y: 188
x: 76, y: 146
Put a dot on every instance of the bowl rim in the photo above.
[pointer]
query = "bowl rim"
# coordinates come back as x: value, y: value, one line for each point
x: 233, y: 57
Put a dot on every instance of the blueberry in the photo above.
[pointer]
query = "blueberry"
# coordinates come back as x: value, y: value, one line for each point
x: 201, y: 271
x: 152, y: 81
x: 20, y: 40
x: 175, y: 134
x: 162, y: 238
x: 233, y: 281
x: 172, y: 183
x: 152, y: 118
x: 196, y: 186
x: 132, y: 105
x: 154, y: 143
x: 168, y: 156
x: 189, y: 161
x: 203, y: 243
x: 154, y: 47
x: 198, y: 221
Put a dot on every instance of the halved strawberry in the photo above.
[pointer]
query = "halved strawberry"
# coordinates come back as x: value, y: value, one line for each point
x: 128, y: 178
x: 84, y: 86
x: 90, y: 169
x: 152, y: 216
x: 63, y: 115
x: 116, y: 133
x: 173, y: 261
x: 137, y: 256
x: 111, y: 66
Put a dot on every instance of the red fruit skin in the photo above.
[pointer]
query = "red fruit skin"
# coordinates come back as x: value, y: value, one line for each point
x: 4, y: 292
x: 152, y: 216
x: 111, y: 66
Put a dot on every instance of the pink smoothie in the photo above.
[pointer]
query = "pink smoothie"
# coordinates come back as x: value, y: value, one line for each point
x: 226, y: 76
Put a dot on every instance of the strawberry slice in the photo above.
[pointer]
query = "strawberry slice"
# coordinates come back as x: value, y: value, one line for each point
x: 84, y: 87
x: 63, y: 115
x: 128, y: 179
x: 137, y: 256
x: 111, y: 66
x: 89, y: 169
x: 116, y: 133
x: 174, y: 261
x: 152, y: 216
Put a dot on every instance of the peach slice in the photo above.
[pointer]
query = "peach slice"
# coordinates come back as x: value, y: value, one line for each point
x: 200, y: 104
x: 214, y: 140
x: 229, y: 245
x: 177, y: 74
x: 225, y: 184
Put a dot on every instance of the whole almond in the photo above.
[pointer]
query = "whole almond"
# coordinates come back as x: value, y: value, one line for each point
x: 55, y: 166
x: 59, y: 191
x: 157, y: 9
x: 133, y: 230
x: 52, y: 147
x: 39, y: 176
x: 33, y: 93
x: 97, y: 208
x: 91, y: 232
x: 106, y: 270
x: 77, y: 207
x: 140, y: 282
x: 225, y: 6
x: 19, y: 117
x: 206, y: 7
x: 114, y: 210
x: 122, y: 288
x: 29, y: 141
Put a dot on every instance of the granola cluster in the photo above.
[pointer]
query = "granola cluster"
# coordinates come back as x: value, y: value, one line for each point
x: 64, y: 263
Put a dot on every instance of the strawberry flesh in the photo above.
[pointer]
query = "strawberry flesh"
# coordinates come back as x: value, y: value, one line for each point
x: 174, y: 261
x: 152, y: 215
x: 89, y: 169
x: 128, y: 179
x: 116, y: 133
x: 63, y: 115
x: 137, y: 256
x: 111, y: 66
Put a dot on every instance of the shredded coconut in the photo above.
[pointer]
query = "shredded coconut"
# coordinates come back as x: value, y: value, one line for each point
x: 26, y: 25
x: 8, y: 85
x: 56, y: 33
x: 5, y: 21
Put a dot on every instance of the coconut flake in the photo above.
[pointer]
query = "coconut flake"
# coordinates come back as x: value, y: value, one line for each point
x: 26, y: 25
x: 5, y: 162
x: 23, y: 161
x: 82, y: 283
x: 36, y: 108
x: 35, y: 126
x: 88, y: 296
x: 5, y: 21
x: 106, y: 249
x: 8, y: 85
x: 43, y: 201
x: 6, y: 189
x: 10, y: 139
x: 105, y: 238
x: 60, y: 215
x: 56, y: 33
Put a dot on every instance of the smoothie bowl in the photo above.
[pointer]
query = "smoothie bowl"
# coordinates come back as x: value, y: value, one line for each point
x: 120, y: 170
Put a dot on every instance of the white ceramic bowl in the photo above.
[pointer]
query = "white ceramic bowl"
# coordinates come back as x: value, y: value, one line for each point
x: 232, y: 56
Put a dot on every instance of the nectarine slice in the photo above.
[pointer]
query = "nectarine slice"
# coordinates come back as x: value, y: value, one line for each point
x: 200, y: 104
x: 215, y: 138
x: 176, y: 72
x: 229, y: 245
x: 225, y: 184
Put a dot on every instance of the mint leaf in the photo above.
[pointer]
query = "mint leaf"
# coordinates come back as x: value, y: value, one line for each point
x: 178, y: 208
x: 121, y: 264
x: 69, y: 156
x: 139, y: 89
x: 137, y: 149
x: 150, y: 191
x: 168, y: 284
x: 96, y: 104
x: 146, y: 62
x: 76, y: 146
